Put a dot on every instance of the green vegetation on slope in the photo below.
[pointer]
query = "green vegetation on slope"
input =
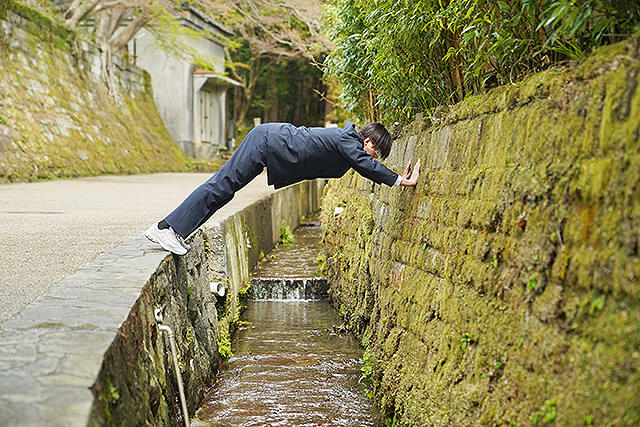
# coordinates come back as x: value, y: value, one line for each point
x: 59, y: 120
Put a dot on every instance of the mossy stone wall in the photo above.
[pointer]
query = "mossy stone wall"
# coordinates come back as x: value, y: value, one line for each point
x: 136, y: 384
x: 57, y: 117
x: 505, y: 288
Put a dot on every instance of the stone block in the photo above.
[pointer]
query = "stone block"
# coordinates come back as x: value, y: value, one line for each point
x: 5, y: 143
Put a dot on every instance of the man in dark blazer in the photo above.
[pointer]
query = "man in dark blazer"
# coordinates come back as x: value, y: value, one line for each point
x: 290, y: 154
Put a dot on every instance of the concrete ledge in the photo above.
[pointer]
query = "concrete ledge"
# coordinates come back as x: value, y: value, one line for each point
x: 89, y: 352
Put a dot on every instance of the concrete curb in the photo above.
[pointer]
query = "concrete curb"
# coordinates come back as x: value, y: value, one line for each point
x: 89, y: 353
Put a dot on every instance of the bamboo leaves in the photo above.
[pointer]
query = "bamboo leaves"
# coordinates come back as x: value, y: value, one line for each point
x: 423, y: 53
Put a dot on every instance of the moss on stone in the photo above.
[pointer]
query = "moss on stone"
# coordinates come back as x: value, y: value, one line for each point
x: 62, y: 120
x: 42, y: 26
x: 521, y: 239
x: 224, y: 342
x: 4, y: 5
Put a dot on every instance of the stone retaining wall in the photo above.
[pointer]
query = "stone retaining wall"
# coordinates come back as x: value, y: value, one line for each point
x: 57, y: 117
x: 505, y: 288
x: 89, y: 352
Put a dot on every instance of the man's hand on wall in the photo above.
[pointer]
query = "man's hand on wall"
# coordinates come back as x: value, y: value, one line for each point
x: 410, y: 180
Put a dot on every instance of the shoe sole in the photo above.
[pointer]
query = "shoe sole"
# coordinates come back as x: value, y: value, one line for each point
x: 184, y: 245
x: 148, y: 236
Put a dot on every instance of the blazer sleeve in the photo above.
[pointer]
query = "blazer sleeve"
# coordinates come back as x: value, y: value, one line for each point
x: 351, y: 148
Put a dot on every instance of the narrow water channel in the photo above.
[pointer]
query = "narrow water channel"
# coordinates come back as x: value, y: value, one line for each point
x: 289, y: 366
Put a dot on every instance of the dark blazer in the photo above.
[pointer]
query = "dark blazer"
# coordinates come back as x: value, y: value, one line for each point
x: 298, y: 153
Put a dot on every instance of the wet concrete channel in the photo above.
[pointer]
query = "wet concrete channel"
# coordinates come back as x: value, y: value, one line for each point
x: 290, y: 367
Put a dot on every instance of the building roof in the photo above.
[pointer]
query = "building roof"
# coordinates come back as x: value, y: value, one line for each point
x: 209, y: 20
x: 212, y: 77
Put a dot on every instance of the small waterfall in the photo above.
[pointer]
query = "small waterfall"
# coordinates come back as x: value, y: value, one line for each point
x: 290, y: 272
x: 288, y: 289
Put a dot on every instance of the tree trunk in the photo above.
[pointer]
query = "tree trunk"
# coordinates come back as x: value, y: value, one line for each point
x: 244, y: 105
x: 79, y: 10
x: 297, y: 112
x: 106, y: 23
x: 237, y: 101
x: 454, y: 69
x: 120, y: 38
x: 271, y: 101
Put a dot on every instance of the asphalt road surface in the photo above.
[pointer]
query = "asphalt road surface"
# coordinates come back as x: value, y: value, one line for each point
x: 50, y: 229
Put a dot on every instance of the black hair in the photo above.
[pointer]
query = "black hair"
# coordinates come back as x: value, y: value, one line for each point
x: 379, y: 136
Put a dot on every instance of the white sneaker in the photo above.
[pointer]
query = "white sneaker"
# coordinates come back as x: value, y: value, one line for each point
x: 182, y: 242
x: 179, y: 237
x: 167, y: 238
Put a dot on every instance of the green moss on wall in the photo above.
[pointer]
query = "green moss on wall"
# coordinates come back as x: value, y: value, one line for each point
x: 4, y: 5
x: 42, y: 26
x: 59, y: 120
x: 504, y: 289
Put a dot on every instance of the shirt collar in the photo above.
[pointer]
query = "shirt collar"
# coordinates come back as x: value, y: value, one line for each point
x: 350, y: 128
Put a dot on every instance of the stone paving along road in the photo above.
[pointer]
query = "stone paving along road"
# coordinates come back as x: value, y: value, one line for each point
x: 49, y: 229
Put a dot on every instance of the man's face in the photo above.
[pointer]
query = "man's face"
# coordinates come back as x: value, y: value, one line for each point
x: 370, y: 148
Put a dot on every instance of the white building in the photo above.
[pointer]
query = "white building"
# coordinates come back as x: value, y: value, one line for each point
x: 191, y: 101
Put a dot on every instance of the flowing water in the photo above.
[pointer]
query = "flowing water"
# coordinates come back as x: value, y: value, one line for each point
x: 290, y: 367
x: 295, y: 260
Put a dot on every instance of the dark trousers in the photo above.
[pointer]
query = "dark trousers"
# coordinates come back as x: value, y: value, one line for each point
x: 246, y: 163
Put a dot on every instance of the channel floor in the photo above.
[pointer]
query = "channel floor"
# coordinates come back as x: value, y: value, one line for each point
x: 291, y: 366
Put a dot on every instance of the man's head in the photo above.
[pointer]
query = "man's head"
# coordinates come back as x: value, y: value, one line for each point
x: 379, y: 137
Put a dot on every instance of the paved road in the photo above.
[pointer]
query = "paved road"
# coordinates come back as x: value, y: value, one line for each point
x: 50, y: 229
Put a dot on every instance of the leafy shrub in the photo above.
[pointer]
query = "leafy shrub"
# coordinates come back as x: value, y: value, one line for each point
x: 286, y: 235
